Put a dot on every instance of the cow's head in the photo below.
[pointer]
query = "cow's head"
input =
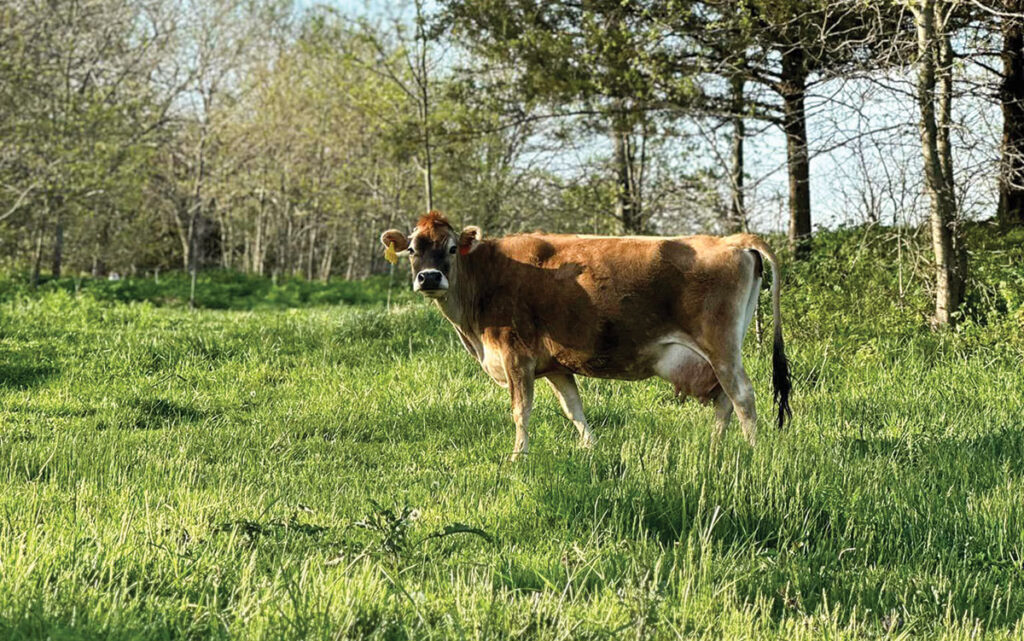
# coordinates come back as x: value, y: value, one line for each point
x: 433, y: 250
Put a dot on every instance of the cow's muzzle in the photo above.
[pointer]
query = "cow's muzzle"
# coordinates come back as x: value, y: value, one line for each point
x: 431, y: 283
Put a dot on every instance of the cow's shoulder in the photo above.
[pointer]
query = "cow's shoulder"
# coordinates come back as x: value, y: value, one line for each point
x: 532, y: 249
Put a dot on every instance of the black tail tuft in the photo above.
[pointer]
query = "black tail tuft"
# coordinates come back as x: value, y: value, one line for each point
x: 781, y: 383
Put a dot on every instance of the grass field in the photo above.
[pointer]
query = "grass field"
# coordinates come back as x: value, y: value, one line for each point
x: 314, y: 469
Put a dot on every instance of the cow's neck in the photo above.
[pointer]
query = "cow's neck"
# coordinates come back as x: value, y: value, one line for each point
x: 458, y: 306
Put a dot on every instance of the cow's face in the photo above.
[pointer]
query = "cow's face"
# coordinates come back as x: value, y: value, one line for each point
x: 434, y: 249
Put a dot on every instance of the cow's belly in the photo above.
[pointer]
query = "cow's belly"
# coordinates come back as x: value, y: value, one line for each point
x: 674, y: 357
x: 686, y: 367
x: 622, y: 364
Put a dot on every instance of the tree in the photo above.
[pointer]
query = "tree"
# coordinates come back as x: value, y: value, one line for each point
x: 934, y: 98
x: 79, y: 111
x: 786, y: 47
x: 1011, y: 99
x: 408, y: 61
x: 581, y: 60
x: 217, y: 36
x: 736, y: 220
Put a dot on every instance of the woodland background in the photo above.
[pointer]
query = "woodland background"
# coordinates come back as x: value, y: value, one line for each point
x: 279, y: 138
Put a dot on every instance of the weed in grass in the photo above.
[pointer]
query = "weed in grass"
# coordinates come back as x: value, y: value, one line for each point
x: 391, y: 532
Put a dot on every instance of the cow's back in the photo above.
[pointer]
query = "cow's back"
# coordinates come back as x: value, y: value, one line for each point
x: 591, y: 304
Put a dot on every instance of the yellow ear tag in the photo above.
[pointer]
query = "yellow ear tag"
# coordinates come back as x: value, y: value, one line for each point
x: 390, y: 255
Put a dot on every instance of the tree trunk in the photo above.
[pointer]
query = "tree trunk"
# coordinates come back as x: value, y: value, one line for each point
x: 226, y: 238
x: 794, y: 124
x: 944, y: 98
x: 326, y: 262
x: 422, y: 78
x: 736, y: 221
x: 246, y: 252
x: 933, y: 52
x: 197, y: 219
x: 351, y: 263
x: 257, y: 243
x: 309, y: 254
x: 58, y: 244
x: 194, y: 219
x: 627, y: 207
x: 428, y: 171
x: 99, y: 267
x: 181, y: 226
x: 287, y: 264
x: 37, y: 259
x: 1011, y: 98
x: 327, y: 258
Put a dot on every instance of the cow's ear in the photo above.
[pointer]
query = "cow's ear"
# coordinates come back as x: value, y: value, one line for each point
x: 396, y: 237
x: 469, y: 239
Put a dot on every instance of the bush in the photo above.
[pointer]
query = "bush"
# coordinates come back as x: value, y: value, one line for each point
x: 219, y: 289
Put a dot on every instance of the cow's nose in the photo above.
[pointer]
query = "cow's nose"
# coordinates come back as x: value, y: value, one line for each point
x: 429, y: 279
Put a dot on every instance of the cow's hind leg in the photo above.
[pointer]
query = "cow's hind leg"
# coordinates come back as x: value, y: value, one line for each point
x: 564, y: 386
x: 723, y: 414
x: 736, y: 384
x: 728, y: 365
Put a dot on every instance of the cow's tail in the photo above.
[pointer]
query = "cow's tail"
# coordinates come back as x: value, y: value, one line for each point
x: 781, y: 383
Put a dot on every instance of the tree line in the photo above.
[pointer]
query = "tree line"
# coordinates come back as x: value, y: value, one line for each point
x: 261, y: 136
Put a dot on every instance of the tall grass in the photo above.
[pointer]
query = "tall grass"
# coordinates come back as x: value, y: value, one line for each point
x: 267, y: 471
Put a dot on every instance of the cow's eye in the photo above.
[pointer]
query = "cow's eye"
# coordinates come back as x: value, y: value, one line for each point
x: 451, y: 250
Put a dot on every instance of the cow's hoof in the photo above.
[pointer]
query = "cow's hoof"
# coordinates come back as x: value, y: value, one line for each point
x: 517, y: 456
x: 587, y: 442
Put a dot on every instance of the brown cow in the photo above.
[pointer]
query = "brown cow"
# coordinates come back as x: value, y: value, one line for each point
x: 551, y: 306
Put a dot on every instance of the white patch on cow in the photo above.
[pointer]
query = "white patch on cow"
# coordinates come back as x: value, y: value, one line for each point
x: 494, y: 365
x: 751, y: 307
x: 678, y: 360
x: 674, y: 353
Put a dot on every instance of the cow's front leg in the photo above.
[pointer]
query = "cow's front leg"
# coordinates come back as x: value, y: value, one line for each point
x: 564, y: 386
x: 519, y: 374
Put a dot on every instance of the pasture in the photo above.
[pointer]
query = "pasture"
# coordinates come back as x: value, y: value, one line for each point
x: 289, y: 465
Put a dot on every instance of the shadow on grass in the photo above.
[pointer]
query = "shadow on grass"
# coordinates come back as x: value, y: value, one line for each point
x: 824, y: 529
x: 936, y: 472
x: 37, y: 624
x: 22, y: 376
x: 158, y: 413
x: 1004, y: 446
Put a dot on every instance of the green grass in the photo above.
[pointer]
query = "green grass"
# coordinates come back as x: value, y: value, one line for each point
x: 242, y: 474
x: 215, y: 289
